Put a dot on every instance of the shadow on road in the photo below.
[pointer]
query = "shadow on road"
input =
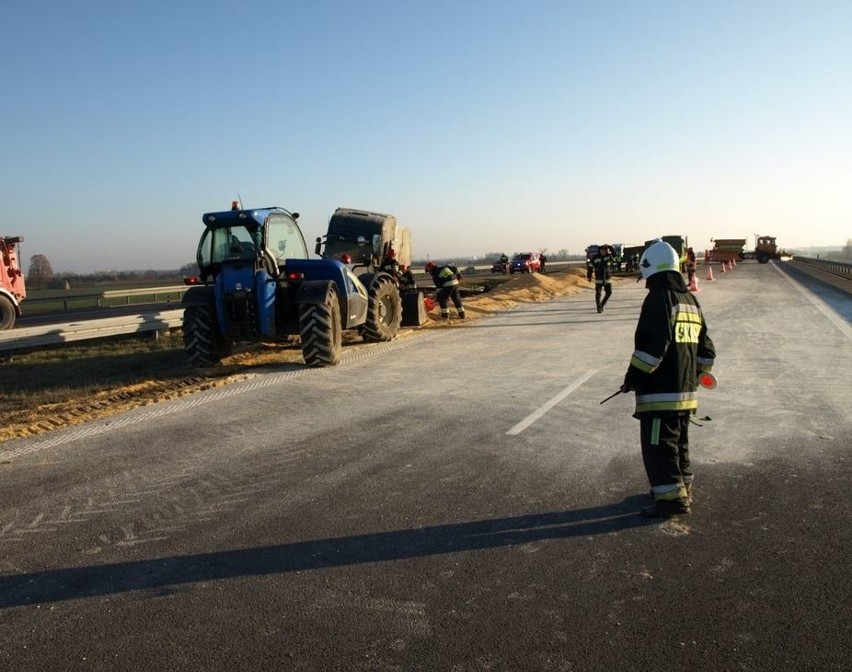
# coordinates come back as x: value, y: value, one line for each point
x: 80, y: 582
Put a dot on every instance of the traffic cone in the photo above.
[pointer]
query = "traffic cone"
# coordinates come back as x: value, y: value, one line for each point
x: 693, y: 284
x: 709, y: 273
x: 723, y: 267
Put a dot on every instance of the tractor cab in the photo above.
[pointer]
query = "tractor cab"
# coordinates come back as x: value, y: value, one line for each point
x: 256, y: 239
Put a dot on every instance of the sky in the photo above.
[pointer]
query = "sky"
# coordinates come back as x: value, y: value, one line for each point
x: 482, y: 125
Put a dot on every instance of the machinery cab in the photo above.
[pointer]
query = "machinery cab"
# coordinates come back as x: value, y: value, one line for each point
x: 766, y: 244
x: 364, y: 238
x: 261, y: 238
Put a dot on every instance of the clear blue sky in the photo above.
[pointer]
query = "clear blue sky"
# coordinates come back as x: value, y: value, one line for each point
x: 483, y: 125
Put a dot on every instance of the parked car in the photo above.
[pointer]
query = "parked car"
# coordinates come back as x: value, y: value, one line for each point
x: 525, y: 262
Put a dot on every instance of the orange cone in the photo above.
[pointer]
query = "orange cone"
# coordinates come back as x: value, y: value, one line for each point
x: 723, y: 267
x: 709, y: 273
x: 693, y: 284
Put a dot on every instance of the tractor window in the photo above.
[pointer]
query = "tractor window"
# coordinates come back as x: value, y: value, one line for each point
x: 226, y: 243
x: 233, y: 243
x: 284, y: 239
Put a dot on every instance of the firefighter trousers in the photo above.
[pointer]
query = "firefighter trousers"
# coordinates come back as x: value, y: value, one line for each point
x: 447, y: 294
x: 607, y: 292
x: 665, y: 451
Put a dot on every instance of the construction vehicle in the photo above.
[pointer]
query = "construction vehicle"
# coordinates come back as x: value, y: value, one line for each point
x: 364, y: 239
x: 726, y: 250
x: 766, y: 249
x: 733, y: 249
x: 257, y: 284
x: 632, y: 254
x: 12, y: 286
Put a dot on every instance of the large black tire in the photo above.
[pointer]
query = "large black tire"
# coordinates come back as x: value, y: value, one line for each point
x: 7, y: 313
x: 384, y: 311
x: 762, y: 258
x: 202, y: 342
x: 413, y: 309
x: 321, y: 331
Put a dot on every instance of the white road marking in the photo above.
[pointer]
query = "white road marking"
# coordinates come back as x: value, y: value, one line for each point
x: 541, y: 410
x: 821, y: 305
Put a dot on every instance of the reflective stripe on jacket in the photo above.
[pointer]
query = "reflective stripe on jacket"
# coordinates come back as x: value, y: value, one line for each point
x: 445, y: 276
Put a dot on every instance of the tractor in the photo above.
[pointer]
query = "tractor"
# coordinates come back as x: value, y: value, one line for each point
x: 12, y: 286
x: 256, y: 283
x: 765, y: 249
x: 365, y: 239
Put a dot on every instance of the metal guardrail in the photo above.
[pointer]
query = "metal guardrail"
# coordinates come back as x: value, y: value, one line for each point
x: 841, y: 268
x: 22, y: 338
x: 55, y: 334
x: 159, y: 293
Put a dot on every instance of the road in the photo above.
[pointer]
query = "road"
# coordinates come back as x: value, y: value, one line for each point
x: 456, y: 500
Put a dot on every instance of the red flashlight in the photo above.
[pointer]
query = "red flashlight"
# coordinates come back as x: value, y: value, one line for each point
x: 707, y: 380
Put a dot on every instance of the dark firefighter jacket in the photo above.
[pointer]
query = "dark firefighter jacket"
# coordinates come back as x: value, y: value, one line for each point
x: 601, y: 266
x: 671, y: 348
x: 390, y: 266
x: 406, y: 278
x: 446, y: 276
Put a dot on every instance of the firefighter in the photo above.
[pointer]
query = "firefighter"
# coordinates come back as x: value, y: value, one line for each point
x: 690, y: 265
x: 446, y: 279
x: 671, y: 348
x: 390, y: 265
x: 600, y: 265
x: 406, y: 278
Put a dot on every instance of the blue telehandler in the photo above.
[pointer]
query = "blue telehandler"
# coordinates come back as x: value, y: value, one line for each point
x: 256, y: 283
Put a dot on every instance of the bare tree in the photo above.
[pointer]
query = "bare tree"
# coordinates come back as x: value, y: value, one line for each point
x: 189, y: 269
x: 40, y: 273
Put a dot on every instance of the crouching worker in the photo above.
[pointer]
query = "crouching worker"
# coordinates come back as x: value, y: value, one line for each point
x: 671, y: 348
x: 406, y: 278
x: 446, y: 279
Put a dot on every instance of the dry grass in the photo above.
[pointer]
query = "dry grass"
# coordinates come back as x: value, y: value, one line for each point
x: 52, y: 388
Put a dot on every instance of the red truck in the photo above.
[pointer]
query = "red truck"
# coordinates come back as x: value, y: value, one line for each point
x: 12, y: 289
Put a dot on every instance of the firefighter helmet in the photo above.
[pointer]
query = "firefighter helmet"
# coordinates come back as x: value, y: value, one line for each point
x: 658, y: 257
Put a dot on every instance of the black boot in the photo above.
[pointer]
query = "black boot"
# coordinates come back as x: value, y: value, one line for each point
x: 667, y: 508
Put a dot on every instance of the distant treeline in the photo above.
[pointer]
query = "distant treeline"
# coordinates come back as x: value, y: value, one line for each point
x: 63, y: 280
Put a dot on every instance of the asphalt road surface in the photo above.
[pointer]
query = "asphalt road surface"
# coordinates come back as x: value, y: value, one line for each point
x: 454, y: 500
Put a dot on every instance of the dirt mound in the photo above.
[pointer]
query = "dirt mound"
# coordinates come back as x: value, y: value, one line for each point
x: 526, y: 288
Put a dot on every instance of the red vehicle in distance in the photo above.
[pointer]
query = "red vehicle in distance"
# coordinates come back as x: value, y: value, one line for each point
x: 525, y: 262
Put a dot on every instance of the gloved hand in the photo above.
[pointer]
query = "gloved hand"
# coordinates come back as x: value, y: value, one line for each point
x: 632, y: 380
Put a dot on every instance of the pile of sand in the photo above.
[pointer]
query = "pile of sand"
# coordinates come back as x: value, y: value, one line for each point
x: 526, y: 288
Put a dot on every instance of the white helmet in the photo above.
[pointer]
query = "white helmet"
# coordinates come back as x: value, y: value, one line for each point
x: 658, y: 257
